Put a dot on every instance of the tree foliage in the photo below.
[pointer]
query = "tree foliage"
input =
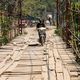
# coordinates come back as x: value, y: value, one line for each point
x: 6, y: 9
x: 37, y: 7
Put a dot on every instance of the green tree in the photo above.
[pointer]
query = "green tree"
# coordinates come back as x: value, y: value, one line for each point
x: 37, y: 7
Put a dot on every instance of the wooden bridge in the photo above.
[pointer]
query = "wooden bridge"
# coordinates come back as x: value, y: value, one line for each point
x: 23, y: 58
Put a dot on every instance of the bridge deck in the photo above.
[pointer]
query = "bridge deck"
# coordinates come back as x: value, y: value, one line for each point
x: 30, y: 61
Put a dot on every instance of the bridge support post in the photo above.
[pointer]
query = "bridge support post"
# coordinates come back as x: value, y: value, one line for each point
x: 57, y: 16
x: 20, y: 16
x: 68, y: 15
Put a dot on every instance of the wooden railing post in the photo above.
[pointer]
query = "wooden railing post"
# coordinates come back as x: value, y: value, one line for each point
x: 57, y: 16
x: 68, y: 22
x: 20, y: 16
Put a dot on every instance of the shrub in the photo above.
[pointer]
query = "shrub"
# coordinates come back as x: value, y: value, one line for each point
x: 57, y: 31
x: 5, y: 40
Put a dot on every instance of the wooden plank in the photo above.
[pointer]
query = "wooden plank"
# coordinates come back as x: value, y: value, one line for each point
x: 12, y: 66
x: 52, y: 75
x: 50, y: 53
x: 51, y: 63
x: 56, y: 55
x: 65, y: 57
x: 60, y: 76
x: 18, y: 53
x: 6, y: 67
x: 36, y: 77
x: 4, y: 61
x: 66, y: 74
x: 75, y: 78
x: 74, y: 74
x: 59, y: 66
x: 44, y: 73
x: 3, y: 78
